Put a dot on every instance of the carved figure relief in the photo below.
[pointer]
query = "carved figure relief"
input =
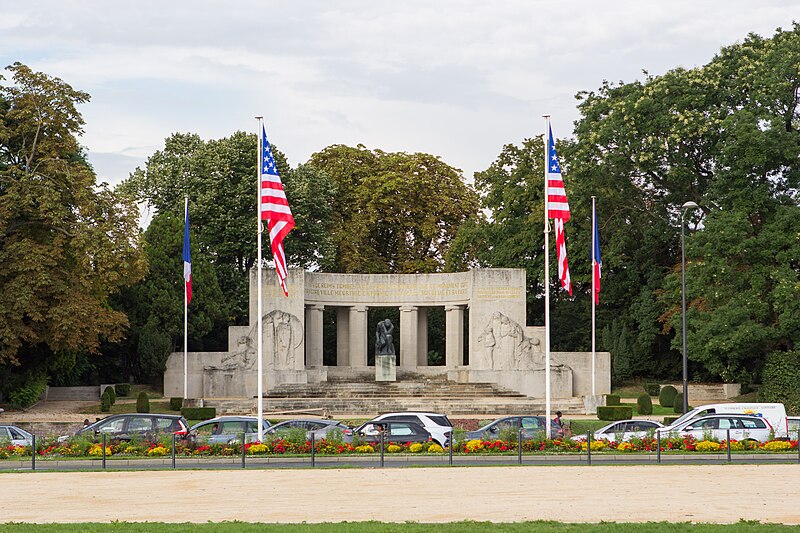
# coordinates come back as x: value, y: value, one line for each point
x: 504, y: 346
x: 283, y: 334
x: 243, y: 358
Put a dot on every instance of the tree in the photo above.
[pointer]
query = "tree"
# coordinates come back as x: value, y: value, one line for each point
x: 66, y: 244
x: 393, y: 212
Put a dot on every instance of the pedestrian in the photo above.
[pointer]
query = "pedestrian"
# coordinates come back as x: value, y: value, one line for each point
x: 85, y: 423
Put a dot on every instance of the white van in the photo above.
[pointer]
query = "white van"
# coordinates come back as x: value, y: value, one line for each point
x: 774, y: 413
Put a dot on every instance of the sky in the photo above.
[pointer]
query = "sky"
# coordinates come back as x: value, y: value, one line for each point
x: 457, y: 79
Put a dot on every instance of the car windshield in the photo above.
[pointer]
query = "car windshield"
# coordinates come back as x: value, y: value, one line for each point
x: 694, y: 413
x: 441, y: 420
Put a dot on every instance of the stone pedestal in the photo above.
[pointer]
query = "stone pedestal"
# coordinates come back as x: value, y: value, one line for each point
x: 385, y: 368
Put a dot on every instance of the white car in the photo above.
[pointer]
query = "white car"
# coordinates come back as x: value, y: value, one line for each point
x: 742, y: 427
x: 16, y: 436
x: 438, y: 425
x: 623, y: 430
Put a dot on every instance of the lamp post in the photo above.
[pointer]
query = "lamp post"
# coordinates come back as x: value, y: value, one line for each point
x: 684, y: 208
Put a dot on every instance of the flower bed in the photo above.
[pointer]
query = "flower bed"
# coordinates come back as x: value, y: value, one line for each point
x: 84, y: 448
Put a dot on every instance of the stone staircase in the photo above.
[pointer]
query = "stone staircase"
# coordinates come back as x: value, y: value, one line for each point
x: 413, y: 393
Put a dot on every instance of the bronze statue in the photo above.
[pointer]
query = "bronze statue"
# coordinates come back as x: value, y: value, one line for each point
x: 383, y: 338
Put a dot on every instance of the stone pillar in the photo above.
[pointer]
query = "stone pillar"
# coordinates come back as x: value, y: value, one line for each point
x: 358, y: 336
x: 342, y: 336
x: 422, y: 336
x: 454, y: 335
x: 314, y: 335
x: 408, y: 336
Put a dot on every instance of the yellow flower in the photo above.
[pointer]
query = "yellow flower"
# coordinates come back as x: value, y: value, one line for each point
x: 435, y: 448
x: 415, y: 448
x: 624, y: 446
x: 707, y: 446
x: 394, y: 448
x: 257, y: 448
x: 474, y: 445
x: 365, y: 448
x: 597, y: 445
x: 777, y: 446
x: 157, y: 451
x: 97, y: 450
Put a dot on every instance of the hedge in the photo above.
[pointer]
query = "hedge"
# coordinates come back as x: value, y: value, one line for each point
x: 142, y: 403
x: 199, y: 413
x: 666, y: 397
x: 780, y: 380
x: 612, y: 399
x: 122, y: 389
x: 112, y: 395
x: 652, y: 388
x: 175, y: 404
x: 668, y: 420
x: 644, y: 405
x: 677, y: 405
x: 614, y: 412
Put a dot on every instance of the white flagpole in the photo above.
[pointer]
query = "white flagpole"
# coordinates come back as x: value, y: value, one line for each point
x: 258, y: 262
x: 546, y: 286
x: 185, y: 321
x: 594, y: 293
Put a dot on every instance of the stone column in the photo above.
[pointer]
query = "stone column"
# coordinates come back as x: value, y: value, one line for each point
x: 314, y: 336
x: 422, y: 336
x: 408, y: 336
x: 358, y: 336
x: 342, y: 336
x: 454, y: 335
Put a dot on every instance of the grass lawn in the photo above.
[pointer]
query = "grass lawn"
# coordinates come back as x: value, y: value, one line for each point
x: 380, y: 527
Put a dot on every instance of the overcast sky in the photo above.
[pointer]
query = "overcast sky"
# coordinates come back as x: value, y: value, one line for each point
x: 457, y: 79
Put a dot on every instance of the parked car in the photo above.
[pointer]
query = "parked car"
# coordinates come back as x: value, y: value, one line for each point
x: 623, y: 430
x: 774, y: 413
x: 320, y: 428
x: 227, y: 429
x: 742, y: 427
x: 124, y: 427
x: 16, y: 436
x: 395, y: 431
x: 793, y: 423
x: 438, y: 425
x: 532, y: 426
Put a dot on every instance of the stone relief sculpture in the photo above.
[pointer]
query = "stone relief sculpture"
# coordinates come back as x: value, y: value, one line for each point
x: 243, y: 358
x: 283, y: 333
x: 384, y: 344
x: 504, y: 346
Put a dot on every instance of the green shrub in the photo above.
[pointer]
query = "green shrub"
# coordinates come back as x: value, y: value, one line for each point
x: 666, y: 397
x: 199, y: 413
x: 644, y: 405
x: 105, y: 401
x: 780, y: 380
x: 678, y: 403
x: 175, y: 404
x: 29, y: 393
x: 668, y: 420
x: 142, y: 403
x: 112, y: 396
x: 612, y: 399
x: 122, y: 389
x: 614, y: 412
x: 652, y: 389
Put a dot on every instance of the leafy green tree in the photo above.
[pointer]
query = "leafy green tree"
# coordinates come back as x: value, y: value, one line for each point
x: 66, y: 243
x: 393, y: 212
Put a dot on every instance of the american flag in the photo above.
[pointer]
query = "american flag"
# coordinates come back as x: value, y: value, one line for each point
x: 557, y: 209
x: 274, y: 208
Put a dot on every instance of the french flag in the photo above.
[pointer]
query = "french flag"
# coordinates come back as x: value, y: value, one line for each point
x: 597, y: 263
x: 187, y: 258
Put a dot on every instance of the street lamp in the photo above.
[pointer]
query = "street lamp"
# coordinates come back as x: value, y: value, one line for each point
x: 684, y: 208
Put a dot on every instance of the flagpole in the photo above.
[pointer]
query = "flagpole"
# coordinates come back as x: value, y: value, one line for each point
x: 260, y: 402
x: 594, y: 291
x: 185, y: 320
x: 546, y: 287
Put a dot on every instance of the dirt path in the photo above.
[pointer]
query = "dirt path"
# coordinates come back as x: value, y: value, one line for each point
x: 712, y: 493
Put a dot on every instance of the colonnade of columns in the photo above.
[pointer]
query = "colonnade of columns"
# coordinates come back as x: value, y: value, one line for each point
x: 352, y: 337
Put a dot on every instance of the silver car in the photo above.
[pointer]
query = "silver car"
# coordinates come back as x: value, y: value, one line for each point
x: 320, y: 428
x: 227, y: 430
x: 16, y: 436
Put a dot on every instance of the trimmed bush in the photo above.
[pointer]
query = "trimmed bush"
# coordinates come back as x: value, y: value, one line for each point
x: 175, y: 404
x: 652, y: 389
x: 668, y: 420
x: 199, y: 413
x: 105, y: 401
x: 614, y: 412
x: 122, y: 389
x: 678, y: 403
x: 612, y: 399
x: 644, y: 405
x: 112, y: 396
x: 781, y: 380
x: 142, y: 403
x: 666, y: 398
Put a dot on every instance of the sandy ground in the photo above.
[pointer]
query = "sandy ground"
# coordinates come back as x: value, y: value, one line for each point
x: 710, y: 493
